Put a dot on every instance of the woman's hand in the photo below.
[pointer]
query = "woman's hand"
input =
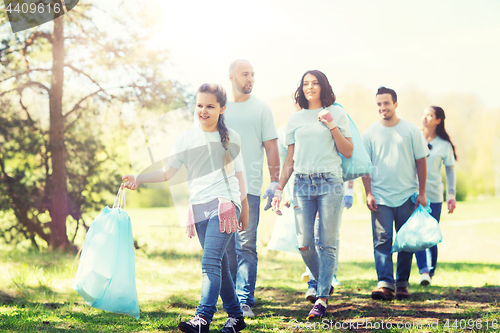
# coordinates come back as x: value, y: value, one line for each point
x: 326, y: 118
x: 130, y: 182
x: 452, y: 204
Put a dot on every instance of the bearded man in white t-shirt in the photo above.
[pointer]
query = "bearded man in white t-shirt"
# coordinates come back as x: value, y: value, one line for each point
x: 253, y: 120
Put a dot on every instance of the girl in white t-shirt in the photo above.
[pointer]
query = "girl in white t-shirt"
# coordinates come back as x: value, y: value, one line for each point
x: 441, y: 152
x: 315, y: 136
x: 211, y: 155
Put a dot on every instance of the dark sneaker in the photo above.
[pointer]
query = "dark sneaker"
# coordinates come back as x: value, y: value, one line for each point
x: 233, y: 325
x: 318, y: 311
x: 197, y: 324
x: 383, y: 293
x: 402, y: 293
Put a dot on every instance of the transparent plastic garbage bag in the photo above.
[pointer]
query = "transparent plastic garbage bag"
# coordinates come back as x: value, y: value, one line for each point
x: 420, y: 231
x: 106, y: 271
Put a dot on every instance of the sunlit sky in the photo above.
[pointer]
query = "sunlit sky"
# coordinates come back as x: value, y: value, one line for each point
x: 437, y: 47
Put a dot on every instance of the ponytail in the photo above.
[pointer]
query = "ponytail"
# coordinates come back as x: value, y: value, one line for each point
x: 440, y: 129
x: 220, y: 93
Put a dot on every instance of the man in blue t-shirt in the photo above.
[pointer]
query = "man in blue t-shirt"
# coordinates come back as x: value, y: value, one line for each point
x: 397, y: 150
x: 253, y: 120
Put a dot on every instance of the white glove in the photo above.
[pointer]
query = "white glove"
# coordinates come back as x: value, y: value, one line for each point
x: 269, y: 194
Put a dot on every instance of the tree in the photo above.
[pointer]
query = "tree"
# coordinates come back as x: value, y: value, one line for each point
x: 81, y: 69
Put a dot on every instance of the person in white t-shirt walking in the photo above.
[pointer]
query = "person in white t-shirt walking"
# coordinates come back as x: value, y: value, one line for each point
x: 397, y: 150
x: 442, y: 152
x: 253, y: 120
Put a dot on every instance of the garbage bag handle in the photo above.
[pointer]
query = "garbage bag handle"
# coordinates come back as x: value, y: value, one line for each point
x: 120, y: 198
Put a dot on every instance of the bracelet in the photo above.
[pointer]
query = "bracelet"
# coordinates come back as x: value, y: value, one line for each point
x: 280, y: 189
x: 333, y: 128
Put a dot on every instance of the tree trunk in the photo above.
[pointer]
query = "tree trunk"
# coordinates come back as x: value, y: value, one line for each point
x: 59, y: 193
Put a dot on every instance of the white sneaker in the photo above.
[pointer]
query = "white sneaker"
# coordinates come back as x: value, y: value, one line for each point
x: 247, y: 311
x: 335, y: 282
x: 425, y: 279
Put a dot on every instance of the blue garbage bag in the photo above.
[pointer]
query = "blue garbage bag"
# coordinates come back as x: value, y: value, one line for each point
x: 419, y: 232
x: 359, y: 164
x: 284, y: 236
x: 106, y: 271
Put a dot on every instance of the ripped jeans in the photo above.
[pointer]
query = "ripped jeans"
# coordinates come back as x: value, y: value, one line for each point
x: 322, y: 193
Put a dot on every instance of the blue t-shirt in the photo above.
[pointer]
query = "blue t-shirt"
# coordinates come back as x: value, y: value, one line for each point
x: 315, y: 150
x: 440, y: 153
x: 254, y: 122
x: 393, y: 152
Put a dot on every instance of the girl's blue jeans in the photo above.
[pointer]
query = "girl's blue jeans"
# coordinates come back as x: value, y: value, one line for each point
x: 214, y: 264
x: 323, y: 194
x: 427, y: 259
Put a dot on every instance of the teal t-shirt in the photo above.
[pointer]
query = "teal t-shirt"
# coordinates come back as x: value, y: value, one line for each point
x: 254, y: 122
x: 202, y: 155
x: 393, y: 152
x: 440, y: 153
x: 315, y: 150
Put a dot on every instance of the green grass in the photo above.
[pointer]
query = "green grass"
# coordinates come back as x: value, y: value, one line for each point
x: 36, y: 294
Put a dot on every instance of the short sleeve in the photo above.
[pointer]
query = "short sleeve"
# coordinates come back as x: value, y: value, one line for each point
x: 238, y: 161
x: 268, y: 126
x: 449, y: 157
x: 290, y: 134
x: 366, y: 140
x: 343, y: 124
x: 419, y: 143
x: 175, y: 158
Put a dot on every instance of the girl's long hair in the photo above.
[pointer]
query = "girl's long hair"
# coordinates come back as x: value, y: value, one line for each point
x: 220, y: 93
x: 327, y: 95
x: 440, y: 129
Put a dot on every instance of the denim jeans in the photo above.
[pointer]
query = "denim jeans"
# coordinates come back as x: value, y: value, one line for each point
x: 427, y: 259
x: 323, y: 194
x: 382, y: 226
x: 214, y: 263
x: 242, y: 254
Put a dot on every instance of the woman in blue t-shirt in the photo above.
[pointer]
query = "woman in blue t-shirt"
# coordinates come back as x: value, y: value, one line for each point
x: 441, y: 152
x: 315, y: 137
x: 211, y: 155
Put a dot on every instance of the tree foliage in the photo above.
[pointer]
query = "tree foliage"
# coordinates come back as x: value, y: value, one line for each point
x: 63, y: 87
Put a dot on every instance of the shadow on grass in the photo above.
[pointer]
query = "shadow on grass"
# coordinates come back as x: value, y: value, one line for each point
x: 169, y: 255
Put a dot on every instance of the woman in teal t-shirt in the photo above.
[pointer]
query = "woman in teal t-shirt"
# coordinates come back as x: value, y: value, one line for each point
x: 441, y: 152
x: 315, y: 136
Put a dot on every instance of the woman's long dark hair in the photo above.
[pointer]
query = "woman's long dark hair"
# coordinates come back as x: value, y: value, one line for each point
x: 440, y: 129
x: 327, y: 96
x: 220, y: 93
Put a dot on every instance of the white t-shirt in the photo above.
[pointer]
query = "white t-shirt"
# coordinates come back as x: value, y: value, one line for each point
x: 315, y: 150
x: 254, y: 122
x: 440, y: 153
x: 202, y: 154
x: 393, y: 152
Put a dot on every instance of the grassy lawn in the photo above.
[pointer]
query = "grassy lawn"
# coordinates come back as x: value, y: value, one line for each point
x: 36, y: 294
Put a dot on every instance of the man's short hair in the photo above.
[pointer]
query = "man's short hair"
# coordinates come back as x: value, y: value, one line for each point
x: 383, y: 90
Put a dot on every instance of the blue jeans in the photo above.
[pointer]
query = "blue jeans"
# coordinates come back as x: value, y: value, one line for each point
x: 214, y: 263
x: 427, y: 259
x: 242, y: 254
x: 382, y: 222
x: 318, y: 193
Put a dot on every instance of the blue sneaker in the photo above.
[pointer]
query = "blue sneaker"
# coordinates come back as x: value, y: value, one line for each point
x: 318, y: 311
